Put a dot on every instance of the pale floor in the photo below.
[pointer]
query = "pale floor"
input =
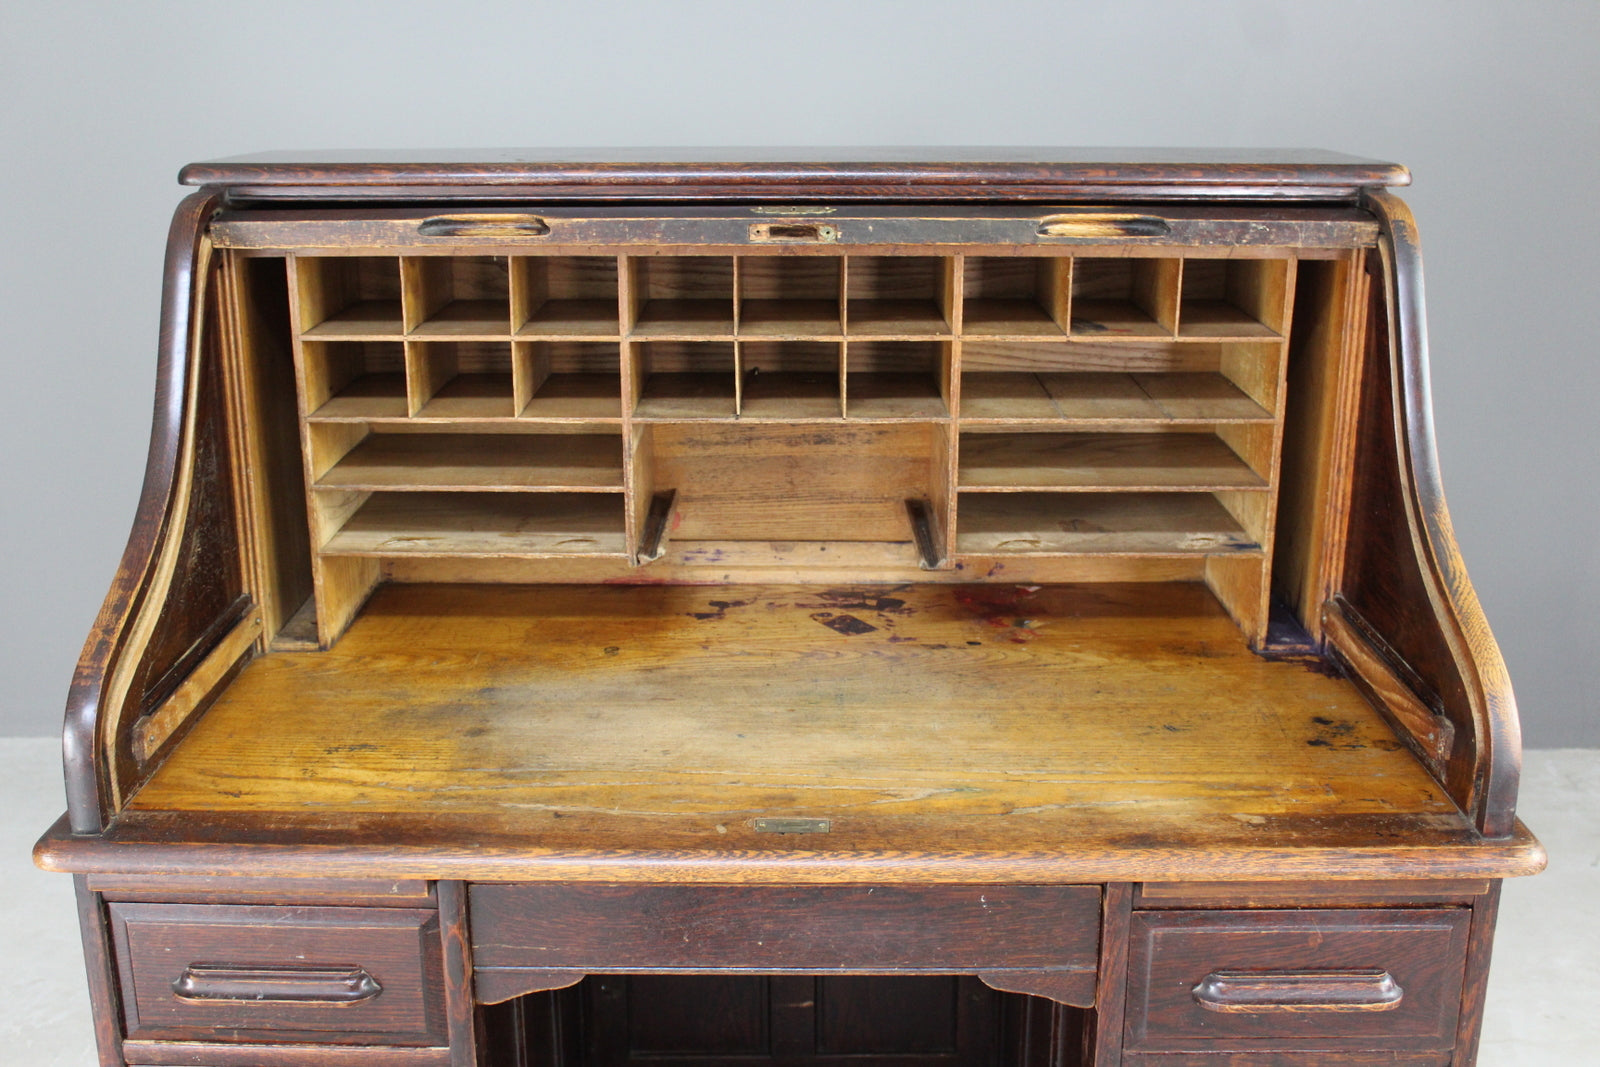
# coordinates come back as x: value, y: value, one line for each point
x: 1544, y: 1009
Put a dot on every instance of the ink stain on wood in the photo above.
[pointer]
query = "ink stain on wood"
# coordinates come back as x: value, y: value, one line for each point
x: 719, y: 610
x: 844, y: 624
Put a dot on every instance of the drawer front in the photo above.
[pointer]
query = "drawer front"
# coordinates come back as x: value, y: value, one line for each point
x: 219, y: 972
x: 1050, y: 933
x: 1270, y: 980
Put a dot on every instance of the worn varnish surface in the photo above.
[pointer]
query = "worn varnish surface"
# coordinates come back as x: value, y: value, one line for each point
x: 1122, y: 706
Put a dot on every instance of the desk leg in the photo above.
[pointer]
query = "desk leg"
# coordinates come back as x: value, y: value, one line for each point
x: 1104, y: 1037
x: 466, y: 1036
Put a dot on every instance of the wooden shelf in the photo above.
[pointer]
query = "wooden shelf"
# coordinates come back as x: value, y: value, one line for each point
x: 908, y: 319
x: 1012, y: 319
x: 467, y: 320
x: 686, y: 396
x: 557, y: 319
x: 786, y: 396
x: 890, y: 395
x: 471, y: 396
x: 366, y: 320
x: 1001, y: 462
x: 497, y: 462
x: 685, y: 319
x: 1105, y: 320
x: 1202, y: 397
x: 525, y: 525
x: 576, y: 396
x: 371, y: 396
x: 989, y: 524
x: 1218, y: 320
x: 789, y: 319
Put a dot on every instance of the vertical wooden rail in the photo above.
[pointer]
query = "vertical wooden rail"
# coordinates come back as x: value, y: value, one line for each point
x: 1111, y: 988
x: 466, y: 1037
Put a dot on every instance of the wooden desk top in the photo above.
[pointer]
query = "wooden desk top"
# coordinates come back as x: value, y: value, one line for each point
x: 980, y: 732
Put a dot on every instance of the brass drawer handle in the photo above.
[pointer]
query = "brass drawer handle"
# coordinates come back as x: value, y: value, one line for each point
x: 291, y: 985
x: 1262, y: 992
x: 483, y: 226
x: 1103, y: 224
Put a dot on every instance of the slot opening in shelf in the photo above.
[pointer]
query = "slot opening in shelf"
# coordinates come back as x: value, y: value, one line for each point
x: 476, y: 524
x: 897, y: 379
x: 354, y: 379
x: 898, y: 296
x: 568, y: 379
x: 1235, y: 298
x: 784, y: 297
x: 459, y: 379
x: 349, y: 297
x: 682, y: 296
x: 1015, y: 296
x: 409, y: 461
x: 564, y: 296
x: 1088, y: 382
x: 1140, y: 461
x: 789, y: 380
x: 684, y: 380
x: 1042, y: 523
x: 1114, y: 298
x: 457, y: 297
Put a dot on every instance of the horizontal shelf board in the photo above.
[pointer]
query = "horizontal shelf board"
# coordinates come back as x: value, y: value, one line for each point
x: 573, y: 318
x: 480, y: 462
x: 577, y: 396
x: 789, y: 319
x: 1105, y: 319
x: 1097, y: 523
x: 1018, y: 319
x: 366, y: 320
x: 791, y: 395
x: 1202, y: 396
x: 1124, y: 461
x: 895, y: 318
x: 686, y: 396
x: 1199, y: 397
x: 371, y: 396
x: 471, y: 396
x: 685, y: 319
x: 888, y: 395
x: 488, y: 524
x: 1214, y: 320
x: 464, y: 320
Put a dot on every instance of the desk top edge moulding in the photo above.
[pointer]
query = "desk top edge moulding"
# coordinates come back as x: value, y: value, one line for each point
x: 966, y: 605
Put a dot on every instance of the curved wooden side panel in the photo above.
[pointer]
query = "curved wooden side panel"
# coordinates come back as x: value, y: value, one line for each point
x: 142, y: 648
x: 1406, y: 600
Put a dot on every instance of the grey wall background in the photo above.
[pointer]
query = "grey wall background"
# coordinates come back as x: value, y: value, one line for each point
x: 1494, y: 106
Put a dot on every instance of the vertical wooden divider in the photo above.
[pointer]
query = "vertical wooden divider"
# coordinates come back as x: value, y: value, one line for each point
x: 636, y: 485
x: 339, y: 585
x: 1243, y: 585
x: 1158, y: 288
x: 738, y: 345
x: 526, y: 376
x: 1056, y: 279
x: 953, y: 293
x: 844, y: 335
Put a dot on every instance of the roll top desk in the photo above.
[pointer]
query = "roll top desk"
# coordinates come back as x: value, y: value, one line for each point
x: 950, y: 607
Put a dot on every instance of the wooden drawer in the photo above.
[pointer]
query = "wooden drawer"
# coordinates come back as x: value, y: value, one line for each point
x: 1284, y: 980
x: 223, y: 972
x: 1037, y: 939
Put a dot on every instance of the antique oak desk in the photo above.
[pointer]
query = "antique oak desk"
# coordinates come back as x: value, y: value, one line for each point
x: 958, y: 608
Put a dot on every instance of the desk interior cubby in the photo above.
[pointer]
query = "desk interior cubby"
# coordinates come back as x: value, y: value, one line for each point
x: 1045, y: 413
